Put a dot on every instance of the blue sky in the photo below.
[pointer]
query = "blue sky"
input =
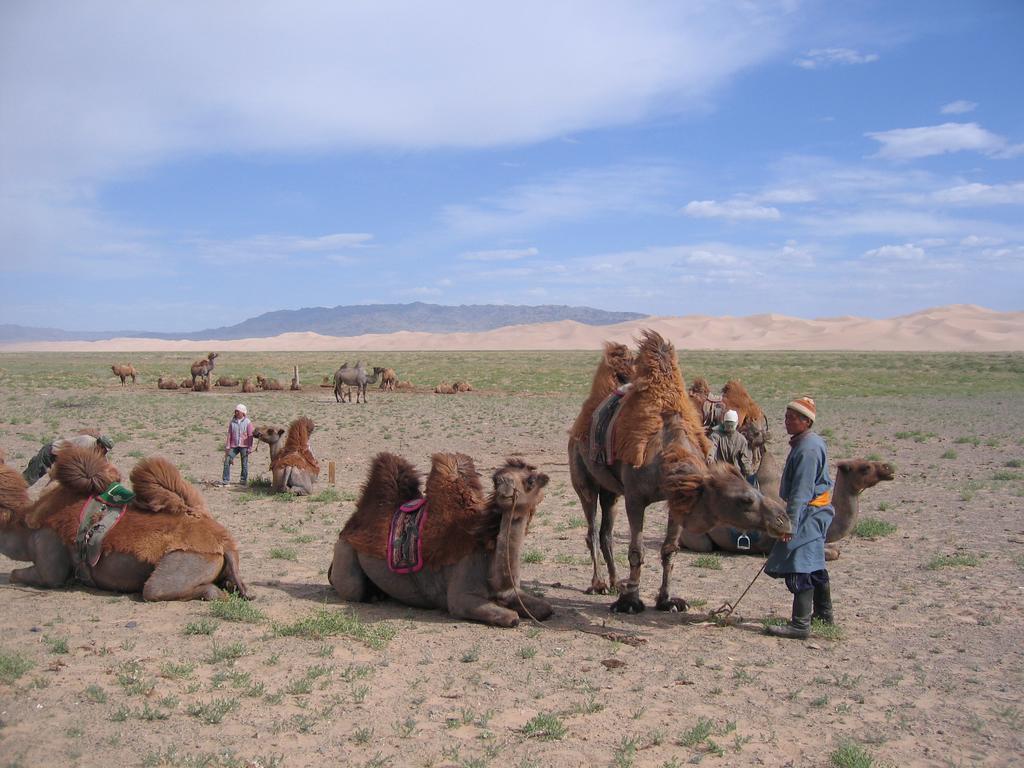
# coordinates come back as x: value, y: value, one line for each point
x: 184, y: 165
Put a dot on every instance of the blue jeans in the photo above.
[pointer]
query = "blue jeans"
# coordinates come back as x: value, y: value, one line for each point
x: 229, y: 457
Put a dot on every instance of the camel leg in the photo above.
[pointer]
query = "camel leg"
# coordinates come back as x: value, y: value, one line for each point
x: 629, y: 591
x: 608, y: 512
x: 668, y: 548
x: 231, y: 576
x: 347, y: 576
x: 832, y: 551
x: 51, y: 562
x: 588, y: 500
x: 525, y: 605
x: 184, y: 576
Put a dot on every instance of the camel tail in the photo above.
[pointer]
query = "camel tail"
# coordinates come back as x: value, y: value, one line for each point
x: 159, y: 487
x: 83, y: 470
x: 13, y: 494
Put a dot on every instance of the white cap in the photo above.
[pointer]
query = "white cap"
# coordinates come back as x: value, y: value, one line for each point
x: 731, y: 416
x: 242, y: 409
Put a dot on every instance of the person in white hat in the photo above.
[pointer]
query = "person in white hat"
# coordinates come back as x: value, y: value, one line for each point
x: 239, y: 443
x: 730, y: 446
x: 806, y: 487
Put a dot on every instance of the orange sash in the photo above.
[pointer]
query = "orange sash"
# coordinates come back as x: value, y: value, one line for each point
x: 822, y: 500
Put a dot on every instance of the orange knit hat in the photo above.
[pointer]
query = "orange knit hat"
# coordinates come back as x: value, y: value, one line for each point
x: 805, y: 407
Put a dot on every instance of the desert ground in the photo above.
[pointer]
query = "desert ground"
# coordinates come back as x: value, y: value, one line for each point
x: 924, y: 666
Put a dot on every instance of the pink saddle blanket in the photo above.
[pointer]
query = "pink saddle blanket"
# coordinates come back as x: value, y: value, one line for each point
x: 405, y: 541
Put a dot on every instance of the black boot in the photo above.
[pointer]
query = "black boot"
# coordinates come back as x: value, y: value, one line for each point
x: 823, y: 603
x: 799, y: 627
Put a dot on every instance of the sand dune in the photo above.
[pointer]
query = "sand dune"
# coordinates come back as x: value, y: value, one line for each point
x: 957, y: 327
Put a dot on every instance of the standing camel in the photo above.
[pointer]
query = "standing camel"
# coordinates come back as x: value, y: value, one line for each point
x: 388, y: 379
x: 657, y: 453
x: 353, y: 377
x: 203, y: 368
x: 123, y: 372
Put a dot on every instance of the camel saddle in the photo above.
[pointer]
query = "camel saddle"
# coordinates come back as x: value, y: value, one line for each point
x: 405, y: 539
x: 98, y: 516
x: 712, y: 411
x: 602, y: 428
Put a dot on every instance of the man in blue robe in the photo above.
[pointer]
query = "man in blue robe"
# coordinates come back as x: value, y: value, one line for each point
x: 807, y: 490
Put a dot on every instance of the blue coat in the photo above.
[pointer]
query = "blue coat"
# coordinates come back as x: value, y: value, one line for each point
x: 805, y: 477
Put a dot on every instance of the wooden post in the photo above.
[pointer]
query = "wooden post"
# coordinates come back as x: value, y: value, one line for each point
x: 330, y: 472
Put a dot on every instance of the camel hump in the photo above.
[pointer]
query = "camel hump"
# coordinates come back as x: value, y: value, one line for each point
x: 391, y: 481
x: 13, y: 494
x: 159, y: 487
x: 83, y: 470
x: 454, y: 484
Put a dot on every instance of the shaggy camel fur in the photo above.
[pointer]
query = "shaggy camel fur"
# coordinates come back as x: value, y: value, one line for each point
x: 444, y: 388
x: 388, y: 379
x: 163, y: 383
x: 227, y: 381
x: 166, y: 546
x: 202, y: 385
x: 293, y: 465
x: 404, y: 385
x: 123, y: 372
x: 186, y: 384
x: 471, y: 544
x: 659, y: 454
x: 248, y: 386
x: 203, y: 368
x: 614, y: 370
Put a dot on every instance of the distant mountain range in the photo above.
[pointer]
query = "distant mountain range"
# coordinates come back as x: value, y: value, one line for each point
x: 351, y: 321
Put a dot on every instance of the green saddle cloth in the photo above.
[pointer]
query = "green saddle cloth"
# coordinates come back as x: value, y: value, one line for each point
x: 99, y: 514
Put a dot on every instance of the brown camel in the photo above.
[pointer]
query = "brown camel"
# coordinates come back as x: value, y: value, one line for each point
x: 166, y: 546
x: 201, y: 385
x: 407, y: 386
x: 248, y: 386
x: 163, y: 383
x: 203, y: 368
x: 186, y: 384
x: 388, y: 380
x: 444, y: 388
x: 123, y: 372
x: 470, y: 545
x: 227, y: 381
x: 462, y: 386
x: 614, y: 370
x: 262, y: 382
x: 853, y: 477
x: 293, y: 465
x: 753, y: 424
x: 659, y: 449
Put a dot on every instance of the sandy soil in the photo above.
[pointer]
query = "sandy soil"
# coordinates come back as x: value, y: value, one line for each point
x: 957, y: 327
x: 927, y: 670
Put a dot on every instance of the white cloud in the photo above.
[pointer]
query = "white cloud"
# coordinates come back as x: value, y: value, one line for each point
x: 736, y: 209
x: 787, y: 195
x: 826, y: 57
x: 906, y: 252
x: 500, y: 255
x: 93, y: 91
x: 958, y: 107
x: 913, y: 143
x: 571, y: 197
x: 273, y: 247
x: 982, y: 194
x: 980, y: 241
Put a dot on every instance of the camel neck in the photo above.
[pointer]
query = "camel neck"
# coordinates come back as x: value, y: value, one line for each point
x: 846, y: 503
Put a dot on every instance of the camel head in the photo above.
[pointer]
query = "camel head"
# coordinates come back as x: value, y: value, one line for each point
x: 756, y: 433
x: 518, y: 487
x: 708, y: 497
x: 211, y: 356
x: 862, y: 474
x: 269, y: 435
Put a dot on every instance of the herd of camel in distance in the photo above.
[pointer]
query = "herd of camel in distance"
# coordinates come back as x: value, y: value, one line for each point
x: 460, y: 546
x: 345, y: 379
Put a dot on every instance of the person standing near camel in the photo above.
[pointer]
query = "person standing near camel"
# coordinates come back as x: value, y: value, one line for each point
x: 730, y: 446
x: 40, y: 464
x: 239, y: 443
x: 799, y: 558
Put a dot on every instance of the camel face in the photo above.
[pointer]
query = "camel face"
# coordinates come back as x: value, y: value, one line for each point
x: 861, y: 474
x: 268, y: 435
x: 519, y: 485
x: 728, y: 500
